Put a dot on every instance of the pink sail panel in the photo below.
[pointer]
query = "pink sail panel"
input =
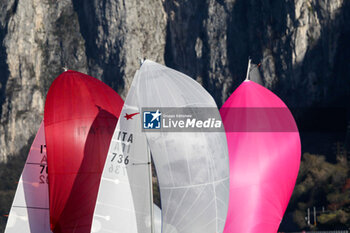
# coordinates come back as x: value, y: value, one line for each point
x: 264, y: 150
x: 80, y: 115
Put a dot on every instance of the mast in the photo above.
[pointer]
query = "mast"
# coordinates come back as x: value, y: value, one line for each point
x: 248, y: 69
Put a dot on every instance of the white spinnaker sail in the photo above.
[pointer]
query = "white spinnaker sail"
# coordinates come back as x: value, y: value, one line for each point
x: 124, y: 198
x: 192, y: 167
x: 30, y: 209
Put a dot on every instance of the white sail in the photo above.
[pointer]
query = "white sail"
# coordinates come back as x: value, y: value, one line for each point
x: 253, y: 73
x: 157, y: 219
x: 30, y: 209
x: 124, y: 198
x: 192, y: 167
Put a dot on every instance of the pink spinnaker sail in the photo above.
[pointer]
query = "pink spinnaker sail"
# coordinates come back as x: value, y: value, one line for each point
x: 264, y: 150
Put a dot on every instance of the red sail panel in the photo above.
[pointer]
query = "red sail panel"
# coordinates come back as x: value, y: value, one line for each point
x: 80, y: 115
x: 264, y: 151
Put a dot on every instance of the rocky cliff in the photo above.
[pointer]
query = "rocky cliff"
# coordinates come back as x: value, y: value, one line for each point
x: 302, y: 46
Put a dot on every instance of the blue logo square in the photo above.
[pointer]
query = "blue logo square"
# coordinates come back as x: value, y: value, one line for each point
x: 152, y: 119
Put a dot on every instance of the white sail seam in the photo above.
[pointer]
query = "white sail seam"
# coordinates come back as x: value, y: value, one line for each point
x: 213, y: 173
x: 221, y: 201
x: 179, y: 204
x: 205, y: 225
x: 193, y: 203
x: 117, y: 181
x: 194, y: 219
x: 216, y: 207
x: 166, y: 210
x: 225, y: 187
x: 197, y: 185
x: 125, y: 209
x: 31, y: 207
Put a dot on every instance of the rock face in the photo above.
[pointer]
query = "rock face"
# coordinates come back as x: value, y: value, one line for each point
x: 39, y: 38
x: 302, y: 46
x: 118, y: 34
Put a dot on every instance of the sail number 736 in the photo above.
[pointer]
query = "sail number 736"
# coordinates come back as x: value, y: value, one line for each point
x: 120, y: 158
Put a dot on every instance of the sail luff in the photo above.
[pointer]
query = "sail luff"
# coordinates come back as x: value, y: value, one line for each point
x: 248, y: 69
x: 151, y: 189
x: 149, y: 161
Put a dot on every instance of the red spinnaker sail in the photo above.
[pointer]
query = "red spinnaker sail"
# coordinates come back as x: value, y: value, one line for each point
x: 264, y: 150
x: 81, y: 113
